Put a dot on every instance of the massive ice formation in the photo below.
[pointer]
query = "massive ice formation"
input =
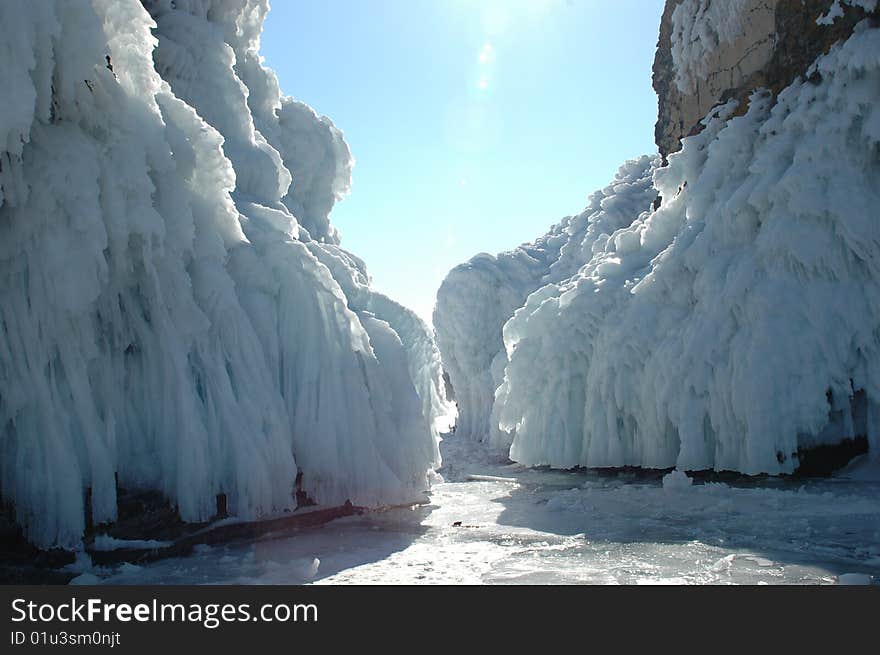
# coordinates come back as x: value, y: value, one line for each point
x: 735, y: 327
x: 477, y: 298
x: 175, y: 311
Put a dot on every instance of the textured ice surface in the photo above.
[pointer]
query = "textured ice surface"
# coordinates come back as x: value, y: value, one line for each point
x: 174, y: 305
x: 727, y: 329
x: 552, y: 527
x: 477, y: 298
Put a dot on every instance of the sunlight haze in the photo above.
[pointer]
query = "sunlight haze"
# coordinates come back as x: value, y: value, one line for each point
x: 474, y: 125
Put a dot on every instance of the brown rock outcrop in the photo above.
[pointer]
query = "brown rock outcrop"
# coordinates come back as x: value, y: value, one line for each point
x: 780, y: 40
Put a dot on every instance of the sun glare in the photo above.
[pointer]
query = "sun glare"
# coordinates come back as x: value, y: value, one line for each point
x: 499, y: 16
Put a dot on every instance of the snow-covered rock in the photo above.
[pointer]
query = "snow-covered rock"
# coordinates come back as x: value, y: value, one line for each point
x: 710, y: 52
x: 676, y: 481
x: 699, y: 27
x: 175, y: 310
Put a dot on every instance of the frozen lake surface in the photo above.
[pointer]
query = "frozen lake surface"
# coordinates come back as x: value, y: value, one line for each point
x: 514, y: 525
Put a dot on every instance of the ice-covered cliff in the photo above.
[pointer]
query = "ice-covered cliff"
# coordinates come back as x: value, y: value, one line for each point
x: 176, y: 313
x: 733, y: 324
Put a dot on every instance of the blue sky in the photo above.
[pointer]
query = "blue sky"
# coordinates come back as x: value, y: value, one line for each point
x: 475, y: 124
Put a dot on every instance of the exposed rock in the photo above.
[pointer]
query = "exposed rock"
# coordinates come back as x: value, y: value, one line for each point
x: 779, y: 41
x: 23, y: 563
x: 447, y: 382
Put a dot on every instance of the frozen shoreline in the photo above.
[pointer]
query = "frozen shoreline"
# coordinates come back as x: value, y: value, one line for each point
x: 560, y: 527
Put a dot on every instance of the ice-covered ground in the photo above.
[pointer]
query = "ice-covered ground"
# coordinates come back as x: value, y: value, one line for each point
x: 543, y: 527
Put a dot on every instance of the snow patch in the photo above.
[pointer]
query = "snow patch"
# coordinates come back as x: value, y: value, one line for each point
x: 676, y: 481
x: 836, y: 10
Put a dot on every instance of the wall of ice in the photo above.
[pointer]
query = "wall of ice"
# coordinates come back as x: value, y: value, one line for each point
x: 175, y: 310
x: 477, y: 298
x: 730, y: 328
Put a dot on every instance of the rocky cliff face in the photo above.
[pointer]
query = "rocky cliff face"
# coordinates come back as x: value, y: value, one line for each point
x: 708, y: 53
